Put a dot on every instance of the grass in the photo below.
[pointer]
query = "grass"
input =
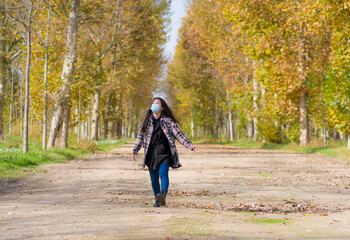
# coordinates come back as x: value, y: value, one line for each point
x: 264, y: 175
x: 14, y: 163
x: 336, y: 149
x: 192, y: 227
x: 267, y: 221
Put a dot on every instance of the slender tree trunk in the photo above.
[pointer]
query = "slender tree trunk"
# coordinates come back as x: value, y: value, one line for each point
x: 125, y: 123
x: 106, y: 124
x: 111, y: 129
x: 78, y: 116
x: 119, y: 128
x: 324, y: 133
x: 31, y: 125
x: 26, y: 101
x: 84, y: 125
x: 65, y: 125
x: 3, y: 74
x: 56, y: 124
x: 348, y: 141
x: 276, y: 123
x: 303, y: 107
x: 88, y: 122
x: 95, y: 114
x: 230, y: 124
x: 335, y: 135
x: 129, y: 119
x: 250, y: 128
x: 230, y: 116
x: 97, y: 96
x: 255, y: 102
x: 250, y: 124
x: 22, y: 113
x: 63, y: 102
x: 45, y: 76
x: 11, y: 105
x: 192, y: 125
x: 304, y: 119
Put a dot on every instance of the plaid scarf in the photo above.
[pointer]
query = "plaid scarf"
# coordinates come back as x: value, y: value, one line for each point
x: 171, y: 130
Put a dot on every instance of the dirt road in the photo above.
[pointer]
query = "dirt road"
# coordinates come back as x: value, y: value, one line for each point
x: 220, y: 192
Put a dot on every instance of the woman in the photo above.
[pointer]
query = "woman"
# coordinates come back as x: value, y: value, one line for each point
x: 157, y: 134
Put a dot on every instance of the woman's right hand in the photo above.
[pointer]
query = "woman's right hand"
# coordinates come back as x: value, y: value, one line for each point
x: 134, y: 157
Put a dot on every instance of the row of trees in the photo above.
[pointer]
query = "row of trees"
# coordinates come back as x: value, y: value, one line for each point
x: 84, y: 67
x: 271, y: 70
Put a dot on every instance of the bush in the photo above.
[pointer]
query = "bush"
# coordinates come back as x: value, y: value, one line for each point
x: 86, y: 145
x: 270, y: 132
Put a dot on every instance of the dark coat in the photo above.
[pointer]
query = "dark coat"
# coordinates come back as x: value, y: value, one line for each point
x: 171, y: 130
x: 159, y: 149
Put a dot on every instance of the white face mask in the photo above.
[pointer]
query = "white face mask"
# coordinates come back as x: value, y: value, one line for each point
x: 155, y: 108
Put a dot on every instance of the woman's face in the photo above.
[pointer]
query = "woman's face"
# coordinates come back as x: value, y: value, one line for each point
x: 157, y: 101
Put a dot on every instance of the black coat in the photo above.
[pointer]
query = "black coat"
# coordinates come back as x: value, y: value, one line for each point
x: 159, y: 149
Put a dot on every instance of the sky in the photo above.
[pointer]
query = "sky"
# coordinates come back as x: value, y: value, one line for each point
x: 177, y: 13
x: 177, y: 10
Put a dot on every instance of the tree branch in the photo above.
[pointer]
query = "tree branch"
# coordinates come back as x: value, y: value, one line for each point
x: 16, y: 19
x: 16, y: 55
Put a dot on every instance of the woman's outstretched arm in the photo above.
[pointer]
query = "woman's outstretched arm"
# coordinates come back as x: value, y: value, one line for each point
x: 180, y: 136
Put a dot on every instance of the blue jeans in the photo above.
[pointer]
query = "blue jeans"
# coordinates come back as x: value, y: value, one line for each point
x: 162, y: 172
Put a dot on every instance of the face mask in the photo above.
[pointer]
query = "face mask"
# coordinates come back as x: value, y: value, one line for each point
x: 155, y: 108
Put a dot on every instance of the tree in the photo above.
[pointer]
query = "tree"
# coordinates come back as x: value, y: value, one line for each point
x: 26, y: 13
x: 3, y: 69
x: 60, y: 119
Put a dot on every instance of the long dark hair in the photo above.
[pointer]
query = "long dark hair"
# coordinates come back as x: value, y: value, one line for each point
x: 166, y: 112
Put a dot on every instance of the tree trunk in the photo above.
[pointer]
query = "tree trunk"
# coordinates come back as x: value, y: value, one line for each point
x: 304, y: 119
x: 324, y: 133
x: 255, y: 102
x: 304, y: 137
x: 56, y: 123
x: 119, y: 128
x: 97, y: 96
x: 348, y: 141
x: 250, y: 128
x: 107, y: 126
x: 11, y: 104
x: 3, y: 75
x: 95, y: 114
x: 22, y: 108
x: 65, y: 121
x: 88, y: 122
x: 26, y: 101
x: 63, y: 97
x: 45, y: 76
x: 335, y: 136
x: 78, y: 117
x: 230, y: 124
x: 111, y: 128
x: 230, y: 116
x: 192, y: 126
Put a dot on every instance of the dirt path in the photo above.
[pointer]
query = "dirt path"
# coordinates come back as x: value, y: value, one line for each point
x: 219, y: 193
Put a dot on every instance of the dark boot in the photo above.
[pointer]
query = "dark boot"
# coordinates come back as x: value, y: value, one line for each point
x: 156, y: 203
x: 161, y: 197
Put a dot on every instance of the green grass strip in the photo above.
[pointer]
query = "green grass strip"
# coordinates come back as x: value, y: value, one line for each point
x: 14, y: 163
x: 267, y: 221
